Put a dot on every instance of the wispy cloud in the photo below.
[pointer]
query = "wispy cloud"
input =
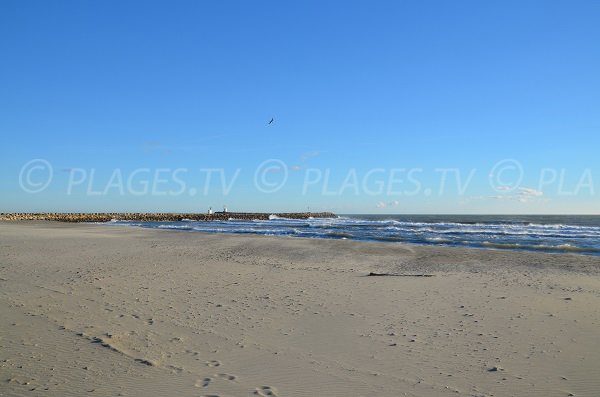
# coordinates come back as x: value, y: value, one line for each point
x: 304, y: 157
x: 382, y: 204
x: 521, y: 194
x: 309, y: 155
x: 151, y: 147
x: 530, y: 192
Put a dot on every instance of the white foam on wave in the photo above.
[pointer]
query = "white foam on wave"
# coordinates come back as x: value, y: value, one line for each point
x: 173, y: 227
x: 494, y: 234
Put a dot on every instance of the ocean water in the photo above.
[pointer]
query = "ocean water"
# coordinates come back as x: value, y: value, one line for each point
x: 558, y: 234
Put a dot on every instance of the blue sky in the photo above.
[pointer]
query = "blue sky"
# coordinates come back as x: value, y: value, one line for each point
x: 98, y: 90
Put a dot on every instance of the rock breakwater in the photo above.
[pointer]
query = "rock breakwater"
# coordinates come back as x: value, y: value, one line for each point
x: 149, y: 217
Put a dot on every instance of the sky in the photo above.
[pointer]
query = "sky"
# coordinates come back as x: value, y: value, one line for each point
x: 377, y: 107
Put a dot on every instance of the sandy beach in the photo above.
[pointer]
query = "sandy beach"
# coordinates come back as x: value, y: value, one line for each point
x: 121, y: 311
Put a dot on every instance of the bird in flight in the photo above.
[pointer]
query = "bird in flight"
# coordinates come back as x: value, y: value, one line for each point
x: 271, y: 121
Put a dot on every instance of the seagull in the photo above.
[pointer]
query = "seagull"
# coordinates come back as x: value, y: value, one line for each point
x: 271, y: 121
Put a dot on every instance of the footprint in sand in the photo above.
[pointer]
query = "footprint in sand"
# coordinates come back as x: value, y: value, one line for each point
x: 203, y: 382
x: 213, y: 363
x: 226, y: 377
x: 265, y: 391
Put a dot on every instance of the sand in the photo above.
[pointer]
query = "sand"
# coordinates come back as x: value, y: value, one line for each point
x: 106, y: 310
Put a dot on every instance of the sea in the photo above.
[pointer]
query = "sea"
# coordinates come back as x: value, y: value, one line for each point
x: 546, y: 233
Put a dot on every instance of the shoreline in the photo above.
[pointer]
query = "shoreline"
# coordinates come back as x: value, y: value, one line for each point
x: 558, y: 250
x: 118, y: 310
x: 382, y: 243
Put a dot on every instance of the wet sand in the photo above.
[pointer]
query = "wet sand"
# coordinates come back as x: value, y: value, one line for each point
x: 106, y: 311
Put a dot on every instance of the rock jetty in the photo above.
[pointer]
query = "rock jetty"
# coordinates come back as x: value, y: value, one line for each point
x: 148, y: 217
